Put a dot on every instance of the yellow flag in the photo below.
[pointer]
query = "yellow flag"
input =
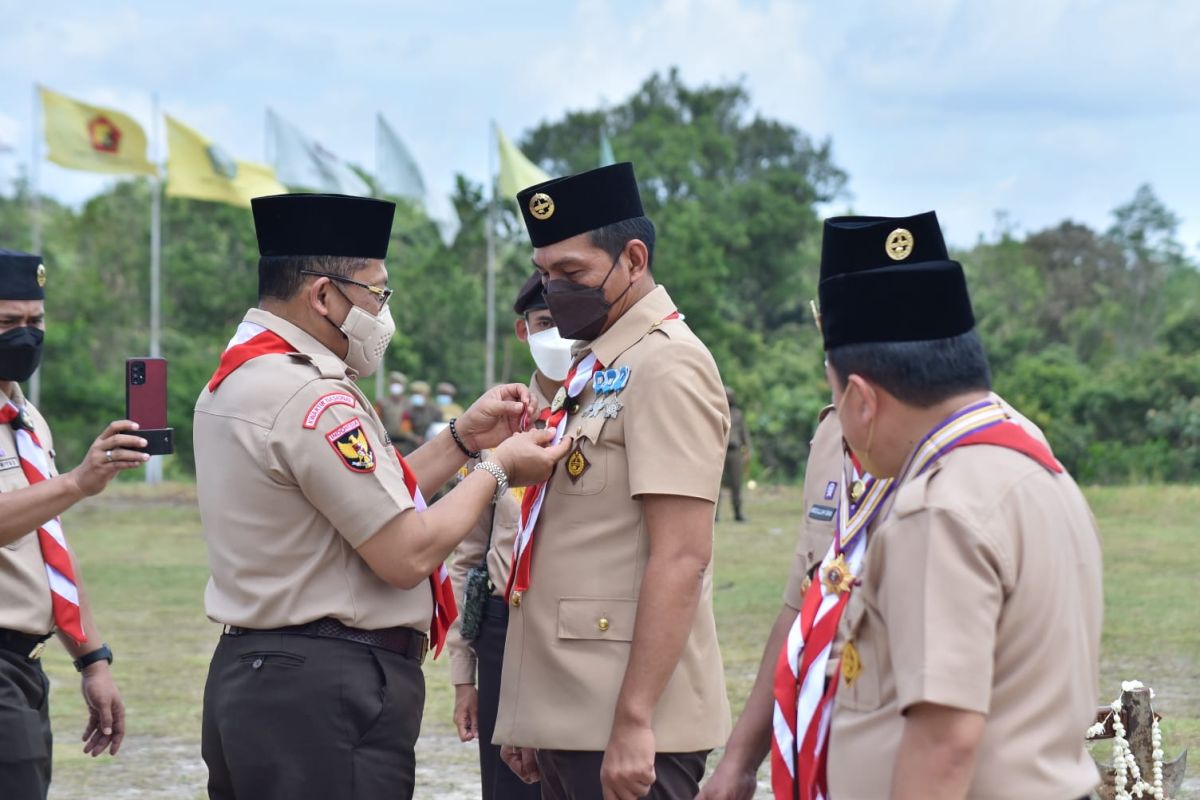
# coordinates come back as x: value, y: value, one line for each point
x: 199, y: 169
x: 516, y: 171
x: 82, y: 136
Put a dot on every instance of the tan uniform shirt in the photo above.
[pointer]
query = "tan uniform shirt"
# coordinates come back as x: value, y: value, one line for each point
x: 569, y: 640
x: 285, y: 500
x: 501, y: 522
x: 24, y: 588
x: 822, y: 488
x: 981, y: 590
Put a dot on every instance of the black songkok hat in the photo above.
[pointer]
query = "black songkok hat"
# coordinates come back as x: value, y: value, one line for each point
x: 530, y: 298
x: 22, y: 276
x: 566, y: 207
x: 890, y: 279
x: 322, y: 225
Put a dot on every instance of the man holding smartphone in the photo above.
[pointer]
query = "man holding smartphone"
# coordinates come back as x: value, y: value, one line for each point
x: 40, y: 582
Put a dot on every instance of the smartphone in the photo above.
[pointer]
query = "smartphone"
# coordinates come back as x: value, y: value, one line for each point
x: 146, y: 402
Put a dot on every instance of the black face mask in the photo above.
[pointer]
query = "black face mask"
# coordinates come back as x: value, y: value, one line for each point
x: 580, y: 311
x: 20, y: 353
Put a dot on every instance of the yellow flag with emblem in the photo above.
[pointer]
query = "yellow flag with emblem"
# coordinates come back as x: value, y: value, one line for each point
x: 201, y: 170
x: 516, y: 171
x: 93, y: 138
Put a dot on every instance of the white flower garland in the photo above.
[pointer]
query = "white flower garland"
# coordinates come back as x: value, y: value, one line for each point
x: 1124, y: 764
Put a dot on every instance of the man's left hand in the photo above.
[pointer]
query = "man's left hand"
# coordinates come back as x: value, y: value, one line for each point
x: 106, y: 713
x: 496, y: 415
x: 627, y: 772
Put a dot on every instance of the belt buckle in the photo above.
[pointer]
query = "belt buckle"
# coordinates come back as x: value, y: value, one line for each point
x: 37, y: 650
x: 424, y: 648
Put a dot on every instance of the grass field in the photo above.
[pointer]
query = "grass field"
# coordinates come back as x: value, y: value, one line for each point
x: 145, y: 566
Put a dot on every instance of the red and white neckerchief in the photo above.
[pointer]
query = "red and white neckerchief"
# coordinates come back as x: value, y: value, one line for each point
x: 803, y: 700
x: 531, y: 502
x: 64, y: 590
x: 251, y: 341
x: 445, y: 610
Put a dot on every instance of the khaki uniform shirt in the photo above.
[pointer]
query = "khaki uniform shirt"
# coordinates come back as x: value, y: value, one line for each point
x: 500, y: 522
x: 282, y: 503
x: 569, y: 639
x: 822, y: 488
x: 981, y: 591
x: 24, y: 588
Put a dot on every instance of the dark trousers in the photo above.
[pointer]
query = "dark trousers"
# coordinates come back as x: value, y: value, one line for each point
x: 575, y: 775
x: 290, y: 717
x: 25, y: 741
x: 499, y: 782
x: 732, y: 478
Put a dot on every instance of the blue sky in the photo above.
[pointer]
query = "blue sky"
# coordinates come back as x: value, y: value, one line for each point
x: 1045, y: 109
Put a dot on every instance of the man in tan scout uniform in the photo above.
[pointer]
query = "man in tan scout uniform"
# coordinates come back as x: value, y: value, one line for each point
x: 487, y: 550
x: 326, y: 579
x: 976, y: 682
x: 612, y: 670
x: 40, y: 585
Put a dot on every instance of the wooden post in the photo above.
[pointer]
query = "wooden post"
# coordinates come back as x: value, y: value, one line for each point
x: 1137, y: 715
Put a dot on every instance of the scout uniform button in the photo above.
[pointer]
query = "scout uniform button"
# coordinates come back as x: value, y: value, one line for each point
x: 515, y: 600
x: 258, y: 662
x: 602, y: 623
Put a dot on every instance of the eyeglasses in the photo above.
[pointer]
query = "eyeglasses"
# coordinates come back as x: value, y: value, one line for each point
x: 382, y: 293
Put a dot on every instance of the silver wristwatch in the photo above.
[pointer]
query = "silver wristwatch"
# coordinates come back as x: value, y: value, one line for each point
x: 498, y: 473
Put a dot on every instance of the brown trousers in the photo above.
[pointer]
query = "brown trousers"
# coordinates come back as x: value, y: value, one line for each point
x: 575, y: 775
x: 290, y: 717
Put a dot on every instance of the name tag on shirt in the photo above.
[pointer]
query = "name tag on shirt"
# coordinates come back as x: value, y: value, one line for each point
x: 823, y: 513
x: 9, y: 463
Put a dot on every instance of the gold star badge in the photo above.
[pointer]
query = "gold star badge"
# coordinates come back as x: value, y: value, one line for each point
x: 541, y: 206
x: 899, y: 244
x: 836, y: 576
x: 41, y: 274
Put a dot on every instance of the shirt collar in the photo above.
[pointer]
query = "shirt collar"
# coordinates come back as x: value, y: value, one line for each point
x: 302, y: 341
x: 629, y: 329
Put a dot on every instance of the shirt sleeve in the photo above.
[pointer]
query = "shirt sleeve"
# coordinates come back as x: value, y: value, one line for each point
x: 676, y: 426
x: 941, y: 597
x: 339, y: 459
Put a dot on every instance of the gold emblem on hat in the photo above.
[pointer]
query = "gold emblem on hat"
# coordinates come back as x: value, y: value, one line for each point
x: 541, y: 206
x: 899, y: 244
x: 851, y: 663
x: 816, y: 312
x: 41, y: 274
x: 836, y: 576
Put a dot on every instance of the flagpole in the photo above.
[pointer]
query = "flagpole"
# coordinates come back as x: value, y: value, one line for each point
x: 154, y: 466
x: 379, y: 187
x: 489, y: 369
x: 35, y: 222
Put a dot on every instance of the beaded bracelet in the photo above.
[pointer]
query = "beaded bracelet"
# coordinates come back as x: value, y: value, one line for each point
x: 458, y: 440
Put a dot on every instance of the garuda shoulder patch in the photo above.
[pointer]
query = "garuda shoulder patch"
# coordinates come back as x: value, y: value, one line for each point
x: 349, y: 441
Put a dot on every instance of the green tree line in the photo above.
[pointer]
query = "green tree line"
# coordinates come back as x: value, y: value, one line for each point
x: 1095, y: 335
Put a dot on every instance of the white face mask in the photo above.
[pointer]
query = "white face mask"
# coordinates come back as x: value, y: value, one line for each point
x: 397, y: 388
x: 551, y: 353
x: 369, y: 337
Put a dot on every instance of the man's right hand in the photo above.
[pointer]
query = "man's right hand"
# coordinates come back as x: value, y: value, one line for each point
x: 529, y: 458
x: 466, y: 711
x: 729, y: 783
x: 109, y: 454
x: 523, y: 761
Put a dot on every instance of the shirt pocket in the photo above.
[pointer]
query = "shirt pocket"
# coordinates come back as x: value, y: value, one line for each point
x: 13, y: 479
x: 863, y: 693
x: 596, y: 618
x: 584, y: 471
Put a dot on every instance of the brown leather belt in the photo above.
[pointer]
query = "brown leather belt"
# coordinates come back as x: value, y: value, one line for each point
x: 407, y: 642
x: 28, y: 645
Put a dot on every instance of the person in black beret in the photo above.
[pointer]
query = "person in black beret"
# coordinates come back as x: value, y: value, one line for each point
x: 326, y: 566
x: 956, y: 645
x: 613, y: 684
x: 40, y: 582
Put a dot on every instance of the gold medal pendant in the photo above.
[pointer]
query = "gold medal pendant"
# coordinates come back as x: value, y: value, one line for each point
x: 836, y: 576
x: 856, y: 491
x: 851, y: 663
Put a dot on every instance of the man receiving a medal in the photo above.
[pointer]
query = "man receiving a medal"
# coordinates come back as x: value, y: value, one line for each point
x: 957, y: 655
x: 612, y: 683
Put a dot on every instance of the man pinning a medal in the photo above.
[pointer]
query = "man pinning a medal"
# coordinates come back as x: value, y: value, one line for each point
x: 953, y: 653
x: 612, y: 685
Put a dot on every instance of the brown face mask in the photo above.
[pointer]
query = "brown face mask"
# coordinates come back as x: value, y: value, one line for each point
x: 580, y: 311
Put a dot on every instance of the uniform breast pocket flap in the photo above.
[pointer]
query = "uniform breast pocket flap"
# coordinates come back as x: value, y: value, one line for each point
x: 596, y: 618
x: 585, y: 469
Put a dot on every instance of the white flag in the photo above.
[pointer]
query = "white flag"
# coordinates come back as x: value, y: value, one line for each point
x: 302, y: 162
x: 396, y: 170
